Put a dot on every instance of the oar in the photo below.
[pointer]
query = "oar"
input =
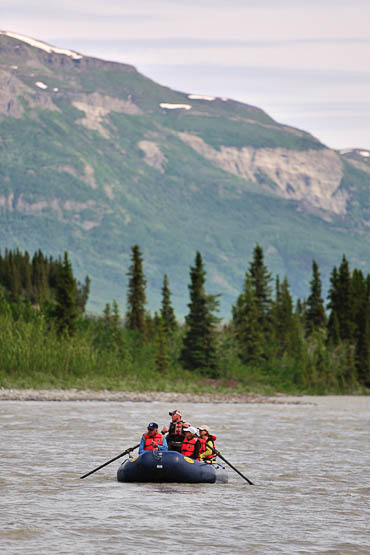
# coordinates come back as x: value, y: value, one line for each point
x: 112, y: 460
x: 231, y: 466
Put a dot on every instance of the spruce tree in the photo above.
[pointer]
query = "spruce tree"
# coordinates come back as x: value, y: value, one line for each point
x: 361, y: 308
x: 39, y: 277
x: 286, y: 327
x: 167, y: 313
x: 247, y: 326
x: 315, y: 311
x: 261, y: 282
x: 345, y: 318
x: 136, y: 299
x: 66, y: 309
x: 82, y: 293
x: 334, y: 306
x: 199, y: 345
x: 162, y: 358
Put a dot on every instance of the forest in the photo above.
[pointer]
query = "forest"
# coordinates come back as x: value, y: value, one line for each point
x: 270, y: 343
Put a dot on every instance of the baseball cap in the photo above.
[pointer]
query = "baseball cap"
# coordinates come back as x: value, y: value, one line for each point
x: 192, y: 430
x: 175, y: 412
x: 152, y: 425
x: 204, y: 427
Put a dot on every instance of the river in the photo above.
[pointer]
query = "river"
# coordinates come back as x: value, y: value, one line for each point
x: 309, y: 458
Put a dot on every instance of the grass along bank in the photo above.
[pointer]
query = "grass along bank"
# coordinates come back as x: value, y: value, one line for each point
x: 98, y: 358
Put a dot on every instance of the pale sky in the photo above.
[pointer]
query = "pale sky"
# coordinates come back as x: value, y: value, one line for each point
x: 305, y: 62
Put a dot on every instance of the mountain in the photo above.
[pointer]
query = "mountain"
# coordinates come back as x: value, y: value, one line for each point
x: 95, y: 157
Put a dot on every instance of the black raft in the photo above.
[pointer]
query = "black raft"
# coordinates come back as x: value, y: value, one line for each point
x: 169, y: 466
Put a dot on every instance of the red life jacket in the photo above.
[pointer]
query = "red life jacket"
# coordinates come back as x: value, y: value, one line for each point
x: 203, y: 447
x: 188, y: 447
x: 158, y: 438
x: 202, y: 441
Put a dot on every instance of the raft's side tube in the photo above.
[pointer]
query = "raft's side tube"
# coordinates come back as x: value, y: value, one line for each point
x: 169, y: 466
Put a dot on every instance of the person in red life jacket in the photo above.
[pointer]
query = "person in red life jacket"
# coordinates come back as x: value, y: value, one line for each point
x: 191, y: 445
x: 176, y: 431
x: 152, y: 440
x: 206, y: 441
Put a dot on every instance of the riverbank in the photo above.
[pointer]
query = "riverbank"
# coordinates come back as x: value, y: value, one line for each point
x: 136, y: 396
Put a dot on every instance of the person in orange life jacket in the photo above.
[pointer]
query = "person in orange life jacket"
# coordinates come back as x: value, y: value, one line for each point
x: 152, y: 440
x: 191, y: 445
x: 175, y: 435
x: 206, y: 441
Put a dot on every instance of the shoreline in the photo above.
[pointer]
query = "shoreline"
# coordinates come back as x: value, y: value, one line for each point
x: 141, y: 397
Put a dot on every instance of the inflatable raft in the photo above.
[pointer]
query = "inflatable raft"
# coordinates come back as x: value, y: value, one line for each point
x: 169, y: 466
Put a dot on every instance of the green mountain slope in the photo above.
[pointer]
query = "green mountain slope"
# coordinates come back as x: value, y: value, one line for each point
x: 95, y: 157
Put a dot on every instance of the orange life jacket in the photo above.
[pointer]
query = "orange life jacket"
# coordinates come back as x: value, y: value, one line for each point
x: 188, y: 447
x: 203, y: 447
x: 158, y: 438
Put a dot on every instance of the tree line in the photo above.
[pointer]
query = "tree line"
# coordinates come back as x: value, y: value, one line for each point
x: 310, y: 344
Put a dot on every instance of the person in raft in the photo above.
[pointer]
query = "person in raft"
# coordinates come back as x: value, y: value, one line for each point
x: 206, y: 441
x: 175, y: 431
x: 152, y: 440
x: 191, y: 445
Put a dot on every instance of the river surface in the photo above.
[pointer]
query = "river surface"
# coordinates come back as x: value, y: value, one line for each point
x: 310, y: 463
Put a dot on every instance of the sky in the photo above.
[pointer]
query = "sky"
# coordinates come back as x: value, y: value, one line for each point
x: 305, y: 62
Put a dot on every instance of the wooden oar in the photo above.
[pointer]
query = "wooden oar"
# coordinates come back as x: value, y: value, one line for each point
x: 112, y: 460
x: 231, y: 466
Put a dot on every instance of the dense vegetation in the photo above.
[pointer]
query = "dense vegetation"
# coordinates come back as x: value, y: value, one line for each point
x: 268, y: 345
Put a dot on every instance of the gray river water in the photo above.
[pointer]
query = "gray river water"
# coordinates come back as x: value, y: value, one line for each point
x: 310, y: 463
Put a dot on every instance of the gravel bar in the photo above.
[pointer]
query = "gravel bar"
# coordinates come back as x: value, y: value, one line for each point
x: 138, y: 396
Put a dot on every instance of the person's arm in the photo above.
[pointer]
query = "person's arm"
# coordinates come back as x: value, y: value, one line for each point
x: 164, y: 446
x: 142, y: 446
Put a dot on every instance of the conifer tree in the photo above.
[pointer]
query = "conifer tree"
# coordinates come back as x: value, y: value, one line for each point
x: 285, y: 322
x: 333, y: 305
x: 167, y: 313
x: 26, y: 276
x: 82, y: 293
x: 107, y: 314
x: 199, y: 345
x: 261, y: 280
x: 39, y: 277
x: 361, y: 307
x: 66, y: 309
x: 15, y: 278
x: 247, y: 325
x: 136, y: 299
x: 315, y: 311
x: 340, y: 304
x: 345, y: 318
x: 162, y: 358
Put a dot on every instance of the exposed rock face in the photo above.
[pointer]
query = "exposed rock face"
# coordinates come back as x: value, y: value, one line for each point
x: 311, y: 175
x: 10, y: 89
x: 96, y: 106
x: 153, y: 155
x: 13, y: 89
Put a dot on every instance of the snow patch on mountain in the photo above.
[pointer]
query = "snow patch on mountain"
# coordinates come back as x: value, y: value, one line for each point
x: 42, y: 45
x: 169, y: 106
x: 201, y: 97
